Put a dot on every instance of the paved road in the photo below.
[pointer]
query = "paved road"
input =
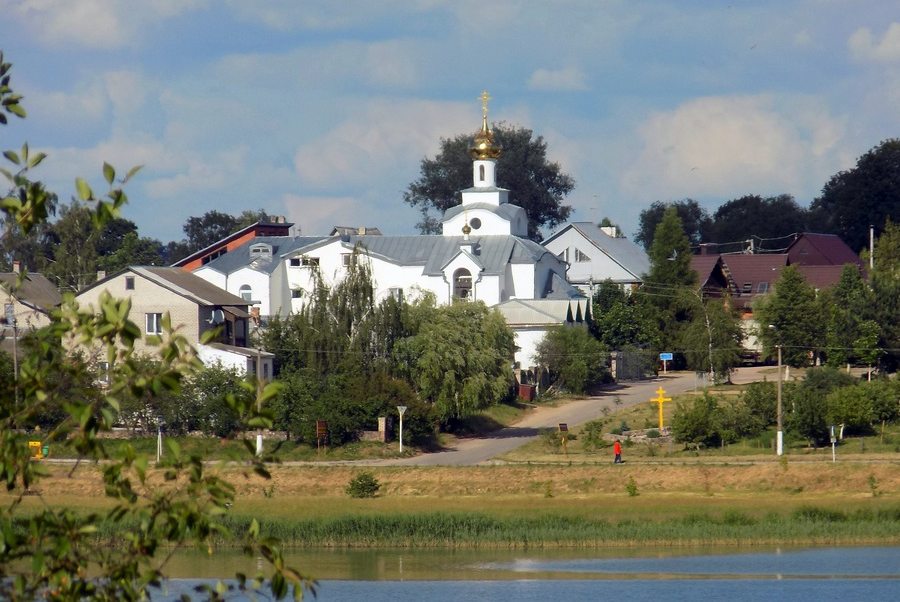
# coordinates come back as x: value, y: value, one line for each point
x: 475, y: 451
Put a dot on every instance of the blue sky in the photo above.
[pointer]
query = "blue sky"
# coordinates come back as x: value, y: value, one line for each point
x: 322, y: 111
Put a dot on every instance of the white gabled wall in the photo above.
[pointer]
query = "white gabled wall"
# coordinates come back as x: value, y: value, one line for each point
x: 491, y: 223
x: 600, y: 267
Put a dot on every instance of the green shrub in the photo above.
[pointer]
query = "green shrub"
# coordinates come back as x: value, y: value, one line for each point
x: 592, y: 435
x: 631, y: 487
x: 653, y: 434
x: 363, y: 485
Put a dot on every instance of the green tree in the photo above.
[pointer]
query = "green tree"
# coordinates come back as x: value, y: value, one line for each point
x: 75, y: 261
x: 806, y: 402
x: 670, y: 257
x: 712, y: 338
x: 622, y: 320
x: 463, y: 359
x: 695, y: 422
x: 669, y: 279
x: 869, y: 193
x: 849, y: 305
x: 790, y: 317
x: 694, y: 220
x: 852, y: 407
x: 753, y: 216
x: 885, y: 281
x: 134, y: 250
x: 575, y: 358
x: 536, y: 184
x: 52, y: 551
x: 208, y: 228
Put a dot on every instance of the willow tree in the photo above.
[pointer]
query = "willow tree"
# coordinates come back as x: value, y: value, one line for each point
x: 463, y: 359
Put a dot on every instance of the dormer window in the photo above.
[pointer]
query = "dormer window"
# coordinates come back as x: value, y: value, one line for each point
x: 260, y: 250
x: 748, y: 288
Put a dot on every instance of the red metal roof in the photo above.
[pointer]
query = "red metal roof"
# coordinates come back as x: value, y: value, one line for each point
x: 821, y: 249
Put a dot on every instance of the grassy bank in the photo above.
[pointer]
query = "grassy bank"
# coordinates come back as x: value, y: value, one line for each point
x: 806, y: 525
x: 556, y: 505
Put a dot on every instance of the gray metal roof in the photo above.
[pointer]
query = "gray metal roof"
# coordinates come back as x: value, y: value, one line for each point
x: 621, y: 250
x: 434, y: 252
x: 36, y: 291
x: 239, y: 258
x: 187, y: 285
x: 559, y: 288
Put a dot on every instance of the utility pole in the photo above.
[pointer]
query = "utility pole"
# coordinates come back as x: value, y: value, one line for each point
x: 779, y: 435
x: 259, y: 392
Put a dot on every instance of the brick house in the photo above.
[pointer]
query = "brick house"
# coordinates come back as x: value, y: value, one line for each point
x: 194, y: 305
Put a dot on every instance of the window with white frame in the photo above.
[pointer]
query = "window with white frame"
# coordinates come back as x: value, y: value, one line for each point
x: 297, y: 293
x: 129, y: 283
x: 154, y: 323
x: 294, y: 262
x: 581, y: 257
x: 246, y: 292
x: 310, y: 262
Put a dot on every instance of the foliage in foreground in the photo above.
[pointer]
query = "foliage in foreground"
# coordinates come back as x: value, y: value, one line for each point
x: 57, y: 555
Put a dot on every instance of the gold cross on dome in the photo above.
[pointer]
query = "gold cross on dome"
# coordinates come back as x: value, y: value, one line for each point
x: 485, y: 97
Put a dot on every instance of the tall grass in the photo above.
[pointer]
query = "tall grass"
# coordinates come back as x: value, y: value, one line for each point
x: 805, y: 525
x: 426, y: 530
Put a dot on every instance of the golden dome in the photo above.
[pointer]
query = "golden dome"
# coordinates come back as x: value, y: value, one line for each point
x: 466, y: 229
x: 484, y: 147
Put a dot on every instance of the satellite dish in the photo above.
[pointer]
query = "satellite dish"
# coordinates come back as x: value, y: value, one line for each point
x: 217, y: 316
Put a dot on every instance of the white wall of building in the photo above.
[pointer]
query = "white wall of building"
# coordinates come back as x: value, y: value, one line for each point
x: 599, y: 267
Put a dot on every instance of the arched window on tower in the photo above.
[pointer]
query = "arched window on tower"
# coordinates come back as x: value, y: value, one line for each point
x: 462, y: 284
x: 481, y: 172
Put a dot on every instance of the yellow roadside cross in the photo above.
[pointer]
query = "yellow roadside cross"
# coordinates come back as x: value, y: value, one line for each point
x: 660, y: 399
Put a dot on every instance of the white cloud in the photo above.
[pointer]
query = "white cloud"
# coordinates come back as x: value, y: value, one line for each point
x: 722, y: 146
x: 97, y: 23
x: 565, y: 79
x: 379, y: 138
x: 318, y: 214
x: 863, y: 45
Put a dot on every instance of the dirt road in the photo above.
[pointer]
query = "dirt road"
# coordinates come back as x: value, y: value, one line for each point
x: 468, y: 452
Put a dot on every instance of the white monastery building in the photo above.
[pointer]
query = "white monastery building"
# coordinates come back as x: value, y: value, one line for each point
x: 483, y: 254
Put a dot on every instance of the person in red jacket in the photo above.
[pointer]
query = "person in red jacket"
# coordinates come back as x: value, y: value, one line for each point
x: 617, y: 450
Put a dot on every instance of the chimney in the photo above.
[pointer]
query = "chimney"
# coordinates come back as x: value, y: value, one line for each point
x: 17, y: 266
x: 709, y: 248
x: 361, y: 230
x: 101, y: 274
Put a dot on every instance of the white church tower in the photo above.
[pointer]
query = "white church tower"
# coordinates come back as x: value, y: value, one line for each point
x: 485, y: 207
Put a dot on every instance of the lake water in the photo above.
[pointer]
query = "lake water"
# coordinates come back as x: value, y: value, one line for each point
x: 797, y: 574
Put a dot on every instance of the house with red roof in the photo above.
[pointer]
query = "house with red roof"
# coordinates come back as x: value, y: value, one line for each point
x: 744, y: 277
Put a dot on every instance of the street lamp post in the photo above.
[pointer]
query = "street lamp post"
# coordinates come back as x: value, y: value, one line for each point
x: 402, y: 410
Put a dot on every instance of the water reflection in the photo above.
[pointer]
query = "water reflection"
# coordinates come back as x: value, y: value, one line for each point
x: 615, y: 563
